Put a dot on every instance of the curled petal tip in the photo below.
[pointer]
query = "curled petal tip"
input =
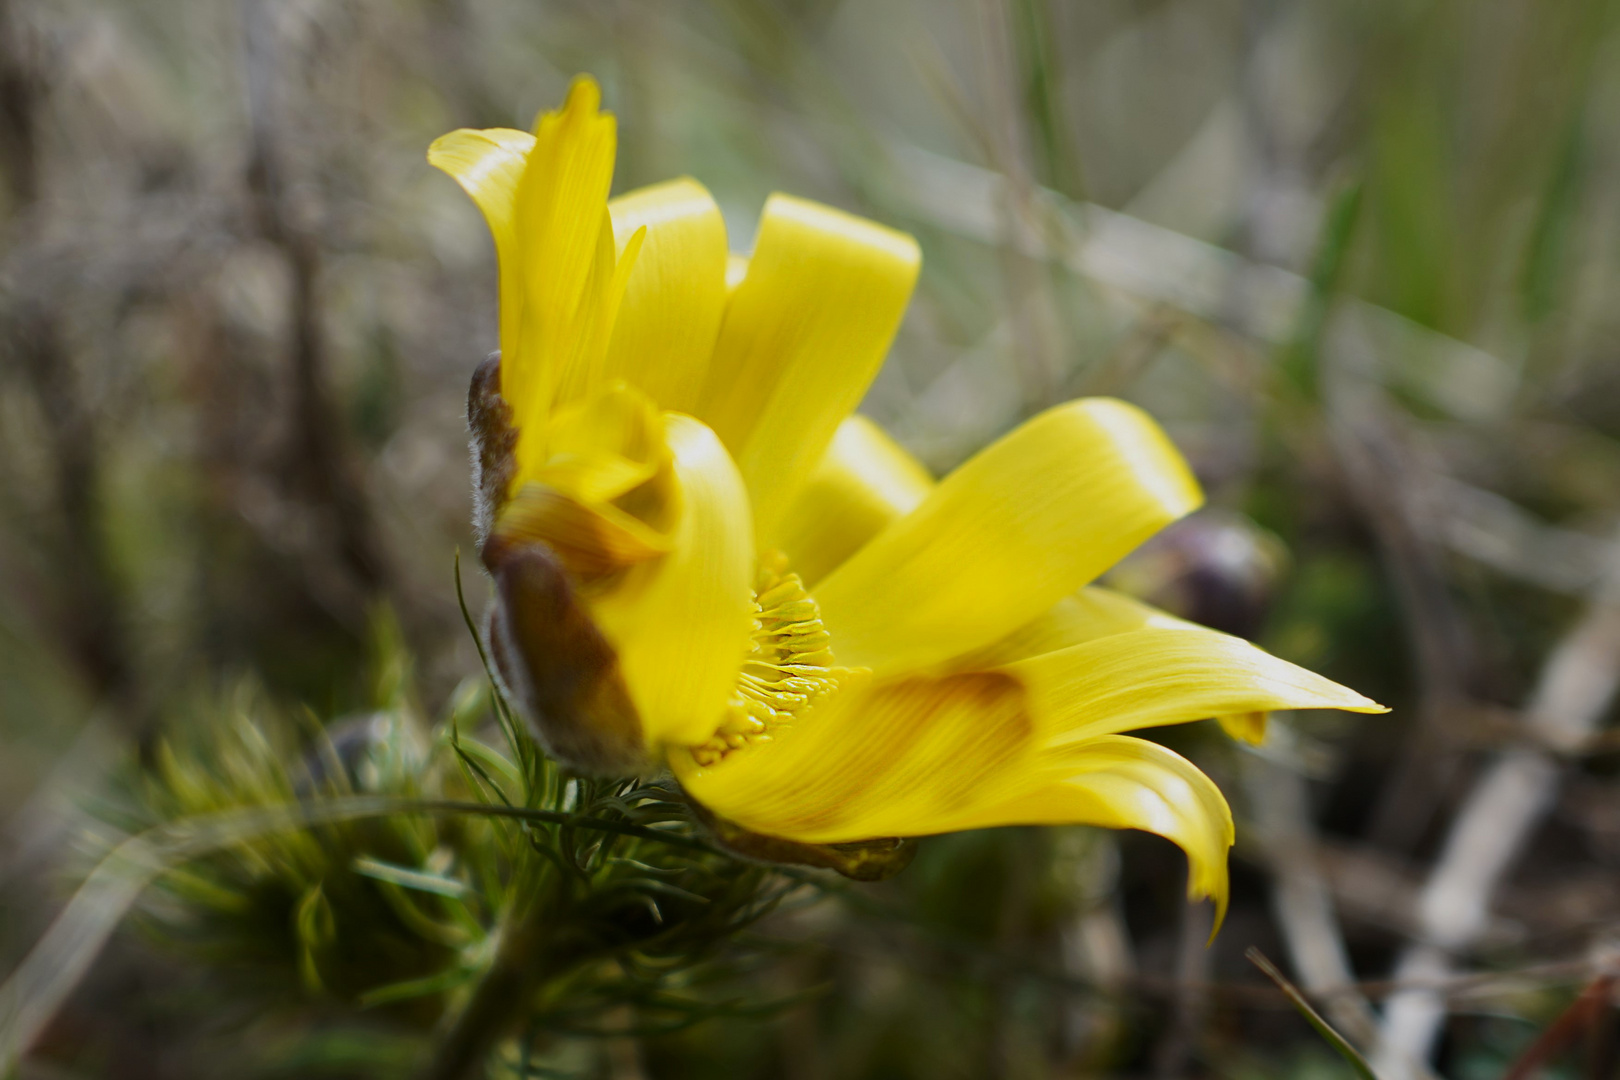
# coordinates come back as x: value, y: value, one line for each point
x: 1212, y: 885
x: 584, y: 94
x: 1246, y: 727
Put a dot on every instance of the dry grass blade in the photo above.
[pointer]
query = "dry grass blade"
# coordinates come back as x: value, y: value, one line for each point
x: 1312, y: 1017
x: 50, y: 971
x: 1582, y: 1013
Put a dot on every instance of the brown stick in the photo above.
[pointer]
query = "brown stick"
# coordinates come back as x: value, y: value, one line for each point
x: 525, y: 957
x: 1574, y: 689
x: 1585, y: 1011
x: 90, y: 615
x: 319, y: 469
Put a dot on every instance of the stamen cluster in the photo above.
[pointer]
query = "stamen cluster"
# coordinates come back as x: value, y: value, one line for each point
x: 789, y: 667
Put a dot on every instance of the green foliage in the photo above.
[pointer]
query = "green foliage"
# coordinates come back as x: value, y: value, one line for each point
x: 403, y: 914
x: 290, y: 908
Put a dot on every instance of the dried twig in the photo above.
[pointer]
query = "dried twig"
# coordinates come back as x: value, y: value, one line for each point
x: 21, y: 90
x: 1574, y: 689
x: 34, y: 334
x: 1190, y: 999
x: 1096, y: 948
x: 1580, y: 1016
x: 1030, y: 305
x: 1387, y: 481
x: 319, y: 469
x: 1300, y: 898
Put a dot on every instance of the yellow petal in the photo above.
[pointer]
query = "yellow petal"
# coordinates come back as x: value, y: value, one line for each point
x: 600, y: 448
x: 1123, y: 783
x: 591, y: 540
x: 582, y: 371
x: 1027, y: 521
x: 1249, y: 727
x: 681, y: 623
x: 1156, y: 675
x: 677, y: 292
x: 864, y: 481
x: 1091, y: 613
x: 875, y: 759
x: 803, y: 336
x: 736, y: 270
x: 488, y: 165
x: 1096, y: 612
x: 606, y: 496
x: 560, y: 214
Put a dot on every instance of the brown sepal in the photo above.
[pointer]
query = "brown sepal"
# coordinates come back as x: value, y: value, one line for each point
x: 556, y: 667
x: 863, y: 860
x: 590, y: 545
x: 492, y: 440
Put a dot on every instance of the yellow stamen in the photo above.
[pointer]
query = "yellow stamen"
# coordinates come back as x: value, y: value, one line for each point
x: 789, y: 667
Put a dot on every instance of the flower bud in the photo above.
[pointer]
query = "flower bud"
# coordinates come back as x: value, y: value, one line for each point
x: 553, y: 663
x: 1214, y: 568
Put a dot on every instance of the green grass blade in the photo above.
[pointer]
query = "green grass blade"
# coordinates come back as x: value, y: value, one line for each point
x: 1312, y: 1017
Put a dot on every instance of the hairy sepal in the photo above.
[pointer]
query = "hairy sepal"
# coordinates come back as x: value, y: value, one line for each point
x: 555, y: 666
x: 492, y: 443
x: 862, y: 860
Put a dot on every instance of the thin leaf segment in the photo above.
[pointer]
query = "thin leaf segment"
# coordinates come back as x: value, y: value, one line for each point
x: 767, y: 592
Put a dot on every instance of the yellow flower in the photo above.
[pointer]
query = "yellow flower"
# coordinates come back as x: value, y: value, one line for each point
x: 701, y: 556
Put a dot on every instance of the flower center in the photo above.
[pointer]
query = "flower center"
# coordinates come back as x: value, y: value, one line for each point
x: 788, y: 668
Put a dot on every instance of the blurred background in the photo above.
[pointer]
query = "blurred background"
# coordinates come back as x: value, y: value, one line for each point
x: 1361, y: 257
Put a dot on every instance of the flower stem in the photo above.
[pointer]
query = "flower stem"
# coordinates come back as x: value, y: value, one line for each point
x: 523, y: 959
